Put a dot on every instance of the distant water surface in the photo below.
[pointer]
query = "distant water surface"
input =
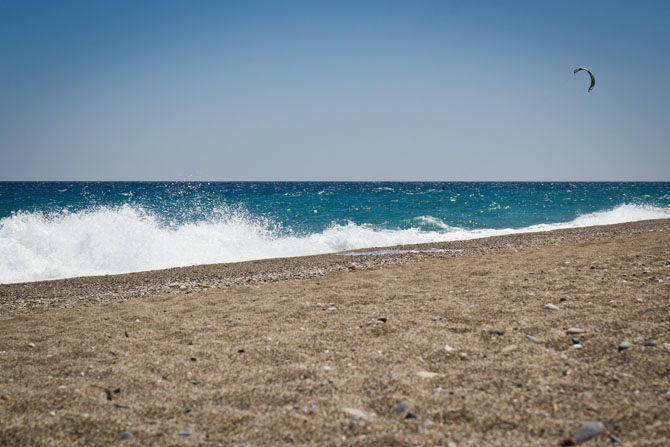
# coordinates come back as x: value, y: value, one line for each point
x: 54, y: 230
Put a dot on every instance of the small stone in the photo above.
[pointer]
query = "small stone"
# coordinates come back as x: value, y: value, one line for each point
x: 497, y: 332
x: 382, y: 319
x: 577, y: 346
x: 562, y: 300
x: 588, y: 430
x: 550, y: 307
x: 184, y: 432
x: 624, y: 345
x: 126, y: 435
x: 427, y: 374
x: 649, y: 344
x: 411, y: 415
x: 615, y: 439
x: 464, y: 355
x: 575, y: 340
x: 402, y: 406
x: 449, y: 348
x: 355, y: 412
x: 534, y: 339
x: 574, y: 330
x: 31, y: 345
x: 508, y: 348
x: 331, y: 309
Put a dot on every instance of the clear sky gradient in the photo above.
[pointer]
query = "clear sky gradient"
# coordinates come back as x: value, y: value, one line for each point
x: 361, y: 90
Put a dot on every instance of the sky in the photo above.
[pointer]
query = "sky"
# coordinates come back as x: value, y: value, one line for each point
x: 334, y: 91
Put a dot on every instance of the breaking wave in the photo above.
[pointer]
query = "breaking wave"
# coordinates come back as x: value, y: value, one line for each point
x: 109, y: 240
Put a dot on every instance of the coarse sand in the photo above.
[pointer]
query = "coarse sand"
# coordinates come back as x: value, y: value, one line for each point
x: 443, y: 344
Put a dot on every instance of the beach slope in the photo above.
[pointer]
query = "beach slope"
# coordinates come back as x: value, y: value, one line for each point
x: 516, y: 340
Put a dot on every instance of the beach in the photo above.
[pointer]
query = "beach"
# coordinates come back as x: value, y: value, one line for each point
x: 510, y: 340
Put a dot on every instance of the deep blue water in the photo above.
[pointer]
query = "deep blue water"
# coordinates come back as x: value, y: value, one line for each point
x: 61, y: 229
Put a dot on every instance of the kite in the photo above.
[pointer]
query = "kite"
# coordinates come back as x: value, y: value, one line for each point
x: 593, y: 78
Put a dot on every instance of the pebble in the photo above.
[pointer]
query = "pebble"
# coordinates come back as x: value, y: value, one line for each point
x: 649, y: 344
x: 496, y: 332
x: 184, y: 432
x: 508, y: 348
x: 449, y: 348
x: 588, y: 430
x: 550, y: 307
x: 624, y: 345
x: 355, y: 412
x: 382, y: 319
x: 330, y: 309
x: 126, y: 435
x: 534, y: 339
x: 575, y: 340
x: 411, y: 415
x: 32, y: 345
x: 574, y: 330
x: 427, y: 374
x: 402, y: 406
x: 577, y: 346
x: 615, y: 439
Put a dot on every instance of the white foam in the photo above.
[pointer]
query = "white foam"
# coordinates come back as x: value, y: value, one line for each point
x: 127, y: 239
x: 435, y: 223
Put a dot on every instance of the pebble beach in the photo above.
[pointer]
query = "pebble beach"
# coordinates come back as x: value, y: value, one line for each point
x: 547, y: 338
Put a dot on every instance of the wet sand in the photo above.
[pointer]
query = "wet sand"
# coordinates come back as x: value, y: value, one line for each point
x: 440, y: 344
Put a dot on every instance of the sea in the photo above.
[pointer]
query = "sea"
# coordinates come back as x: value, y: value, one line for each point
x: 51, y: 230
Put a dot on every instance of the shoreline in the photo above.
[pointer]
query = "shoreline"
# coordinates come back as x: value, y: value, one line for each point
x: 89, y: 290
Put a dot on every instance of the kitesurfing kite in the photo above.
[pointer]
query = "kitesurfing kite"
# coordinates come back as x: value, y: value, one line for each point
x: 593, y: 78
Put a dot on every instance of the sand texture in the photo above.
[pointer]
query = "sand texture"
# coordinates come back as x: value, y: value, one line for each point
x: 451, y: 344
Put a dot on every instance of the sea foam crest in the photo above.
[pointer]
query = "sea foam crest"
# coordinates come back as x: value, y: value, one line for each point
x: 127, y: 239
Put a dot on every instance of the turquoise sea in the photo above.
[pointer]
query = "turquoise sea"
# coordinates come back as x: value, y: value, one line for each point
x: 52, y: 230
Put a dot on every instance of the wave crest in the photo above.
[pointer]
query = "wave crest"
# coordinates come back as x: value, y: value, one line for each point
x: 127, y: 239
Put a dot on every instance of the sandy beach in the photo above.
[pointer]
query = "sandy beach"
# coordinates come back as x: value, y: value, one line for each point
x: 511, y: 340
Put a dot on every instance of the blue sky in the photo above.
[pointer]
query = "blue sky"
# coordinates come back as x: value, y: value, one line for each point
x: 448, y: 90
